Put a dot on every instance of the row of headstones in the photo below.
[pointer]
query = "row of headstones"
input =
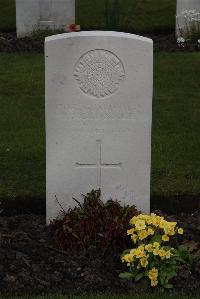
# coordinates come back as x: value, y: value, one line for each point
x: 32, y: 15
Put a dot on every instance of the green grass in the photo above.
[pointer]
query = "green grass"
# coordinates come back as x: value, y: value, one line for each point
x: 175, y: 135
x: 22, y: 145
x: 107, y: 296
x: 176, y: 130
x: 137, y: 15
x: 7, y: 15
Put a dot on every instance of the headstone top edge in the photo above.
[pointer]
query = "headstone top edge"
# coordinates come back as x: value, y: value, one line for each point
x: 98, y: 34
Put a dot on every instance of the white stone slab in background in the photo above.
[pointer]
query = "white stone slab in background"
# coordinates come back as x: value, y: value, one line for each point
x: 98, y: 118
x: 183, y: 6
x: 33, y: 15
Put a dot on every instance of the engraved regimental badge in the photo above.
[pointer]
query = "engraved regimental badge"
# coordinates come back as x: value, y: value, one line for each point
x: 99, y: 73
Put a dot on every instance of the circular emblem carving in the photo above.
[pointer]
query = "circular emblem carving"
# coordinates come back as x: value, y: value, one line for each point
x: 99, y: 73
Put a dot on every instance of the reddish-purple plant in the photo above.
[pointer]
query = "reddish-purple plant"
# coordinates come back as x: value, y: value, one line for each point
x: 93, y: 223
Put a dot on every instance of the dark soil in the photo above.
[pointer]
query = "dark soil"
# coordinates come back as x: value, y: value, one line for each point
x: 30, y: 263
x: 162, y: 42
x: 10, y: 43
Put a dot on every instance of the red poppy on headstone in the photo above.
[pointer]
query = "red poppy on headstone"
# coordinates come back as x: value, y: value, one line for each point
x: 73, y: 28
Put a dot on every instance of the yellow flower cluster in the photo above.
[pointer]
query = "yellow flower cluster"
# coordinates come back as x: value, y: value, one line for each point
x: 144, y: 226
x: 157, y: 250
x: 136, y: 253
x: 142, y: 252
x: 145, y: 230
x: 153, y: 276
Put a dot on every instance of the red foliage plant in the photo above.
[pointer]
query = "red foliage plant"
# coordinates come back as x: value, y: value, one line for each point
x: 93, y: 223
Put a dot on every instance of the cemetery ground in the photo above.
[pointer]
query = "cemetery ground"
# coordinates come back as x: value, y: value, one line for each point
x: 108, y: 296
x: 37, y: 259
x: 31, y: 262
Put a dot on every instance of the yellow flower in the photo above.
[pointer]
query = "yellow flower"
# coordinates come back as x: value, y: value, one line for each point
x: 156, y: 251
x: 149, y: 220
x: 143, y: 216
x: 139, y: 252
x: 149, y: 247
x: 132, y: 251
x: 163, y: 223
x: 144, y: 262
x: 127, y: 258
x: 153, y: 274
x: 133, y: 220
x: 130, y: 231
x: 154, y: 282
x: 156, y: 245
x: 162, y: 253
x: 165, y: 238
x: 171, y: 228
x: 156, y: 219
x: 150, y: 231
x: 168, y: 254
x: 180, y: 231
x: 140, y: 224
x: 153, y: 215
x: 142, y: 234
x: 134, y: 238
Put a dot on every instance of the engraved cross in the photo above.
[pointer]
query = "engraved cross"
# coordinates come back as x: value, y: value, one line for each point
x: 99, y: 165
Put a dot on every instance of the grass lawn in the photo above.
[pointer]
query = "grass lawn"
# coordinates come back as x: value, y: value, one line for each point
x: 137, y: 15
x: 176, y: 130
x: 22, y: 144
x: 7, y: 15
x: 107, y: 296
x: 175, y: 137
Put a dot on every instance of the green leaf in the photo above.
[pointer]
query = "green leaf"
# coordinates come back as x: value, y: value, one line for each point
x: 126, y: 275
x: 125, y: 252
x: 183, y: 248
x: 139, y: 276
x: 168, y: 286
x: 156, y: 238
x: 162, y: 280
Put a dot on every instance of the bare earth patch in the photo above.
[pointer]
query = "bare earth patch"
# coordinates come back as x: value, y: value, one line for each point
x: 30, y: 262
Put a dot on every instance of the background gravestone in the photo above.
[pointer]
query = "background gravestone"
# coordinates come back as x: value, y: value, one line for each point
x: 98, y: 118
x: 46, y: 14
x: 34, y: 15
x: 182, y: 6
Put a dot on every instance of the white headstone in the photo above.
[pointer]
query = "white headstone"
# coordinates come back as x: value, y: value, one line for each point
x: 98, y: 118
x: 187, y: 11
x: 32, y: 15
